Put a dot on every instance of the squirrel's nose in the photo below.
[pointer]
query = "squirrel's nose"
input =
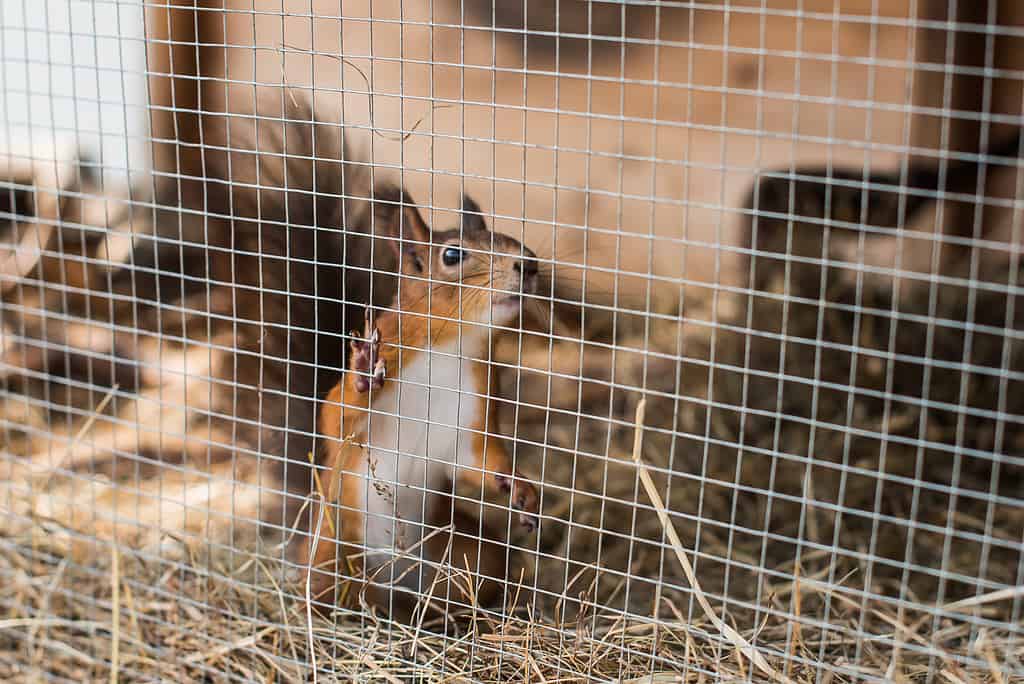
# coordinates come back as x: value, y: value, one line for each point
x: 527, y: 267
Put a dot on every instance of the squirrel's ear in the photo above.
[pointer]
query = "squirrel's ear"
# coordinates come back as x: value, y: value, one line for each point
x: 397, y: 218
x: 472, y: 217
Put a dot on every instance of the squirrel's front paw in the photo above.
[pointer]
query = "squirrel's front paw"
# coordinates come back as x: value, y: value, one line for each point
x: 366, y: 360
x: 524, y: 499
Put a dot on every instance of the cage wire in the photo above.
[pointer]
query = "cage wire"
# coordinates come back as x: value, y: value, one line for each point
x: 715, y: 376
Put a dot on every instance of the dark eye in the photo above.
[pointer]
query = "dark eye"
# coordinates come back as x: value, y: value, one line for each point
x: 452, y: 255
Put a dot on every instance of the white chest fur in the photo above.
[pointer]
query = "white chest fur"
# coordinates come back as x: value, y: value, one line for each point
x: 419, y: 426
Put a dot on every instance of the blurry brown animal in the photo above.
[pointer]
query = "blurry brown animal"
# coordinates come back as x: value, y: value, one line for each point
x: 879, y: 298
x: 212, y: 329
x: 897, y: 208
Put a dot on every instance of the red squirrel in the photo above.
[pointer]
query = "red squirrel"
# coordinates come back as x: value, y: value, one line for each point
x: 412, y: 413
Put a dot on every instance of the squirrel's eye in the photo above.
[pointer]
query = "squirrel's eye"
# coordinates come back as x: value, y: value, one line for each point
x: 452, y: 255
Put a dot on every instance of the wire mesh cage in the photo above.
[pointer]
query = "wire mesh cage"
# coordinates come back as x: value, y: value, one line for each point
x: 494, y: 341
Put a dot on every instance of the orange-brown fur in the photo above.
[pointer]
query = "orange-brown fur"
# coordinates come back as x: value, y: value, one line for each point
x: 427, y: 312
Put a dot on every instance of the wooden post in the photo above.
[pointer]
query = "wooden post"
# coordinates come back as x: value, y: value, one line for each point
x: 963, y: 49
x: 1008, y: 93
x: 171, y: 44
x: 937, y: 89
x: 182, y: 38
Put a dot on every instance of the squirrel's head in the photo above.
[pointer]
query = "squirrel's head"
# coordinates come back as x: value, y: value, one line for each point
x: 467, y: 272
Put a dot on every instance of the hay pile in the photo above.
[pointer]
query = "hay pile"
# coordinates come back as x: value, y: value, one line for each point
x: 202, y: 594
x: 201, y: 611
x: 846, y: 535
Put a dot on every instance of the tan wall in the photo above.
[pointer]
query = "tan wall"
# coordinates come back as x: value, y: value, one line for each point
x: 576, y: 161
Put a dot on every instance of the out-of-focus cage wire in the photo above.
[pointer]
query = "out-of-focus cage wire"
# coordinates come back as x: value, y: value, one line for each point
x: 768, y: 390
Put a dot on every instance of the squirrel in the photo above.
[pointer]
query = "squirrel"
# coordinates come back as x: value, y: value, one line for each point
x: 413, y: 413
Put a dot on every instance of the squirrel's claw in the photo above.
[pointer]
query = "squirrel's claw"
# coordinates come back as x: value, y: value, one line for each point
x: 380, y: 371
x: 366, y: 361
x: 524, y: 499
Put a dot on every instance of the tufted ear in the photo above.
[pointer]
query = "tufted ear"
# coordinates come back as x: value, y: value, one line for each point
x: 472, y: 217
x: 396, y: 217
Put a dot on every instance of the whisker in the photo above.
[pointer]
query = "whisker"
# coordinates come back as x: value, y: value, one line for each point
x: 434, y: 286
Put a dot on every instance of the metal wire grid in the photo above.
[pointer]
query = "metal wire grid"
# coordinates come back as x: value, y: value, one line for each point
x: 722, y: 565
